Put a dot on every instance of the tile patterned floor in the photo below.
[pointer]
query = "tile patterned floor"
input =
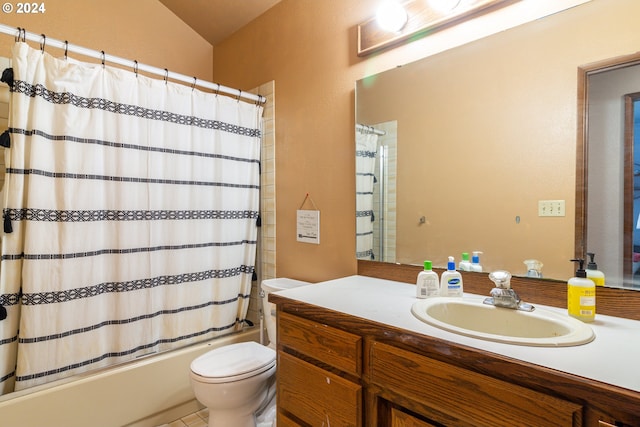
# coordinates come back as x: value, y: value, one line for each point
x: 198, y: 419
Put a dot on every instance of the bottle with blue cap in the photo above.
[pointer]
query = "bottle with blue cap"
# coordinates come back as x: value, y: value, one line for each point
x: 475, y: 262
x: 451, y: 281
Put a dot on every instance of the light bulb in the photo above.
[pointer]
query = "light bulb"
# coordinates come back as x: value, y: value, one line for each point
x: 391, y: 16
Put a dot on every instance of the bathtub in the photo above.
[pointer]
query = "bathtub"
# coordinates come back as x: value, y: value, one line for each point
x: 143, y: 393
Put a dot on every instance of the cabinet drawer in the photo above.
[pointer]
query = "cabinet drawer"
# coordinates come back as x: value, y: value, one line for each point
x: 284, y: 421
x: 400, y: 419
x: 472, y: 398
x: 316, y: 396
x: 328, y: 345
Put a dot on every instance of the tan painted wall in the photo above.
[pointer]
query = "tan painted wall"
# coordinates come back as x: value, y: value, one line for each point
x: 144, y: 30
x: 309, y: 49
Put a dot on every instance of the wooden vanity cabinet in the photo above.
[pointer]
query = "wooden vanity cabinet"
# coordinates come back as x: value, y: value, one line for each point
x: 337, y: 370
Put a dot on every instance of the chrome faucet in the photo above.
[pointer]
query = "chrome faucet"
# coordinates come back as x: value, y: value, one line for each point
x: 502, y: 295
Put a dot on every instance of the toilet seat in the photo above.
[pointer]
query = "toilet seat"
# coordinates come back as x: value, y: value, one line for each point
x: 233, y: 362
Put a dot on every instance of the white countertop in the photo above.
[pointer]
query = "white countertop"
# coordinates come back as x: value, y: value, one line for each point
x: 612, y: 358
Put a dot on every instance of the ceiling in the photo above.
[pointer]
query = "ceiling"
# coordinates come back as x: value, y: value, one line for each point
x: 215, y: 20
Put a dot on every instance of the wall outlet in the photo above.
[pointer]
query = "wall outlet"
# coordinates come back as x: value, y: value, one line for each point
x: 551, y: 208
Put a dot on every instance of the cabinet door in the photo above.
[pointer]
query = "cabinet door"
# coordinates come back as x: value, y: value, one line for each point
x: 472, y: 398
x: 316, y: 396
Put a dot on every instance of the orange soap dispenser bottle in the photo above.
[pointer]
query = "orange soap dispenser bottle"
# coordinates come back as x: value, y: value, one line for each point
x: 581, y: 295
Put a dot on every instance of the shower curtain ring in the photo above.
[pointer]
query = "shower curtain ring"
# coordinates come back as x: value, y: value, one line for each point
x: 193, y: 86
x: 239, y: 95
x: 217, y: 89
x: 22, y: 33
x: 43, y: 43
x: 166, y: 75
x: 66, y: 50
x: 135, y: 67
x: 102, y: 56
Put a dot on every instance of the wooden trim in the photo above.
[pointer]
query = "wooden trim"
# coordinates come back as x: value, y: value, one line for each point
x: 610, y: 301
x: 581, y: 165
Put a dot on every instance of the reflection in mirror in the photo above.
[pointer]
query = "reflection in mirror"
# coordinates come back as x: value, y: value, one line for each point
x: 632, y: 179
x: 486, y: 131
x: 461, y: 179
x: 612, y: 200
x: 376, y: 191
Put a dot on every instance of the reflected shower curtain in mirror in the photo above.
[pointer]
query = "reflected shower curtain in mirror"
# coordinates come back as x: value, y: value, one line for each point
x: 366, y: 148
x: 130, y: 217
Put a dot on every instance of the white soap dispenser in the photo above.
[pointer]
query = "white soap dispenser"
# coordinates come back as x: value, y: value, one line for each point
x: 475, y: 262
x: 534, y: 268
x: 451, y: 281
x: 427, y: 284
x: 465, y: 264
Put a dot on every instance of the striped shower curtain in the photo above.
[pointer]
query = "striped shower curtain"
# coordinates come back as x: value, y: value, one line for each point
x: 366, y: 149
x: 130, y: 217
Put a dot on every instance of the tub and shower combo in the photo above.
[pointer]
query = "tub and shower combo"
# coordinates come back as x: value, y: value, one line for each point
x: 130, y: 214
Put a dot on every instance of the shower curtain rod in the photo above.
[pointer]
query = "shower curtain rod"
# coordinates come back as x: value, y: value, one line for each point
x: 370, y: 129
x: 22, y: 34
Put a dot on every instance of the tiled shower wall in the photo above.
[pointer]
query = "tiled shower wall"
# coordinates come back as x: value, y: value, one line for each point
x: 266, y: 262
x: 386, y: 210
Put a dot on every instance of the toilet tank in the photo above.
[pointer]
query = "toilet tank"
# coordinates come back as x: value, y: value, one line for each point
x: 269, y: 309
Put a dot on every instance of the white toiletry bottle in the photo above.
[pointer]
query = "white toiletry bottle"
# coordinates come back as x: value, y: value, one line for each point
x: 592, y: 271
x: 581, y: 295
x: 451, y: 281
x: 465, y: 264
x: 534, y: 268
x: 475, y: 262
x: 427, y: 284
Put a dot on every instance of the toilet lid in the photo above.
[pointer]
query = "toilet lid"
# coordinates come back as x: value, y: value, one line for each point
x: 239, y: 360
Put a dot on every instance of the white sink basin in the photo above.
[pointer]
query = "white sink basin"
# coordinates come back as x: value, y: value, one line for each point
x: 472, y: 318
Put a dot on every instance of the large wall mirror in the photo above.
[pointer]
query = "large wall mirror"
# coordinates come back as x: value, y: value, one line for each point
x: 489, y: 153
x: 609, y: 148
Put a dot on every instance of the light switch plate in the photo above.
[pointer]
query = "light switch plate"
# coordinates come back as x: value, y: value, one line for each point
x: 551, y: 208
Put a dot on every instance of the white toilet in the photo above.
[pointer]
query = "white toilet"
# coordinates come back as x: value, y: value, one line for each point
x: 237, y: 381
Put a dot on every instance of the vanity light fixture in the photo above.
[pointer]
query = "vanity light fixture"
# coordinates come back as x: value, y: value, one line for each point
x: 414, y: 19
x: 391, y: 16
x: 444, y: 5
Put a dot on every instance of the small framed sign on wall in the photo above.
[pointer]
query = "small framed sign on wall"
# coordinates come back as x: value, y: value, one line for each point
x: 308, y: 226
x: 308, y: 223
